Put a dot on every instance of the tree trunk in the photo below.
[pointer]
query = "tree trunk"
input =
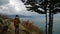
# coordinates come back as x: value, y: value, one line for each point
x: 46, y: 2
x: 50, y: 21
x: 46, y: 22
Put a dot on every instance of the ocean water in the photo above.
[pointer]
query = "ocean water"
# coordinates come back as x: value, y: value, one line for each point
x: 56, y: 27
x: 41, y: 23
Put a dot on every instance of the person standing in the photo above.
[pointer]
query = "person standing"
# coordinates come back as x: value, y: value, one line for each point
x: 16, y: 24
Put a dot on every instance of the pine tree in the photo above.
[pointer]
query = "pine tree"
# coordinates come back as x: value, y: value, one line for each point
x: 44, y: 4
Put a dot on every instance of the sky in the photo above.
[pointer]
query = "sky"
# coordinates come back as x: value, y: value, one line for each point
x: 11, y: 7
x: 14, y: 7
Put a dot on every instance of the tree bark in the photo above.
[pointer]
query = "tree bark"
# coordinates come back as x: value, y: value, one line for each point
x: 46, y: 2
x: 46, y: 23
x: 50, y: 28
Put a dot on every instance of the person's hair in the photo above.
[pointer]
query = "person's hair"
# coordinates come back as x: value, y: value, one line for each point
x: 17, y: 16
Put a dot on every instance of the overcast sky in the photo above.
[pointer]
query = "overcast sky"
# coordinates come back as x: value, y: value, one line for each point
x: 11, y: 7
x: 14, y: 7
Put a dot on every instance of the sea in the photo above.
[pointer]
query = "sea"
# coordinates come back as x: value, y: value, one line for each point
x: 41, y: 22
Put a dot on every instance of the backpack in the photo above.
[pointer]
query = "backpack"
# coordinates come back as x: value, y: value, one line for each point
x: 16, y: 21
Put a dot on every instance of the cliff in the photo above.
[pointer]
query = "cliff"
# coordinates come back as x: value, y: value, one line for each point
x: 26, y: 27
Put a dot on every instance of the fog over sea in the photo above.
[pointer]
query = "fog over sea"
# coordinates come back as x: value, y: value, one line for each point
x: 41, y: 23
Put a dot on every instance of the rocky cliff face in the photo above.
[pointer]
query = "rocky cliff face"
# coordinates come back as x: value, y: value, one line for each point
x: 24, y: 28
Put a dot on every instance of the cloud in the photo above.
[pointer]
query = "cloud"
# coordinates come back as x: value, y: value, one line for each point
x: 2, y: 2
x: 7, y: 9
x: 15, y: 7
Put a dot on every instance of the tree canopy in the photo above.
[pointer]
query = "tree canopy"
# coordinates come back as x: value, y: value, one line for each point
x: 42, y: 5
